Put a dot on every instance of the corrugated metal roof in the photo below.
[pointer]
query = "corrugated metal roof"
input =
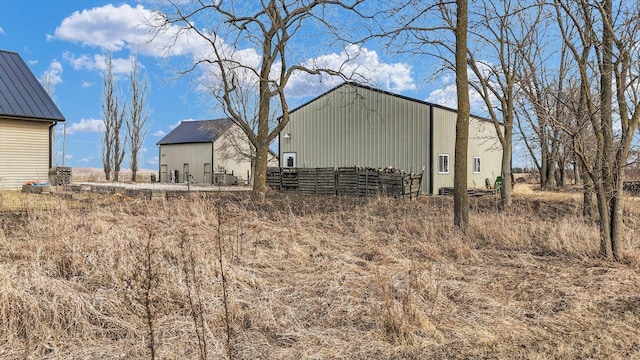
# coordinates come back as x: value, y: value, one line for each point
x: 21, y: 94
x: 202, y: 131
x: 355, y: 84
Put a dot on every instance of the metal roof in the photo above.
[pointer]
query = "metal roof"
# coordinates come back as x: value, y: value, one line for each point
x: 21, y: 94
x: 202, y: 131
x: 356, y: 84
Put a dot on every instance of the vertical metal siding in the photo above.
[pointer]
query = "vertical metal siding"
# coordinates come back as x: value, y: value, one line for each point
x: 176, y: 155
x: 198, y: 154
x: 356, y: 126
x: 444, y: 142
x: 484, y: 143
x: 24, y: 152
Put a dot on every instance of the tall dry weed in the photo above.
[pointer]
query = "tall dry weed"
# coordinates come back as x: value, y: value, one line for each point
x: 220, y: 276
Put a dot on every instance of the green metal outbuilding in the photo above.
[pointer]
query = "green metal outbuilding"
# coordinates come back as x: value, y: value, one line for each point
x: 357, y: 125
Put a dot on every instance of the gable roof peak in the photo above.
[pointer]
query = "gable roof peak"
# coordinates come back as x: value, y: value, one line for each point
x: 196, y: 131
x: 21, y: 94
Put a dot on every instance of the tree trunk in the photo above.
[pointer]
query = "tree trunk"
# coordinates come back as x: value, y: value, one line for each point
x: 460, y: 196
x: 605, y: 220
x: 507, y: 186
x: 260, y: 174
x: 544, y: 163
x: 605, y: 187
x: 616, y: 220
x: 587, y: 196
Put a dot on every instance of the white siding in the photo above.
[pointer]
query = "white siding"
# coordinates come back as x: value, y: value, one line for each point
x: 24, y: 152
x: 230, y: 152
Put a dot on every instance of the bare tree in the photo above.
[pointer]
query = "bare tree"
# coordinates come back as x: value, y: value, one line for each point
x: 437, y: 29
x: 136, y: 123
x: 499, y: 29
x: 605, y: 35
x: 113, y: 149
x: 270, y: 26
x: 545, y: 118
x: 460, y: 196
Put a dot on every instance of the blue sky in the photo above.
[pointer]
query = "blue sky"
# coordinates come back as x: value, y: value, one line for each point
x: 67, y: 40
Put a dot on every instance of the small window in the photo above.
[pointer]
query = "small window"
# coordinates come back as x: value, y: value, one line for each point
x: 443, y: 163
x: 476, y: 165
x: 289, y: 160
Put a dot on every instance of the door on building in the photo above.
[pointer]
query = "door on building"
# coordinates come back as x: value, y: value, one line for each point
x: 185, y: 172
x: 164, y: 173
x: 289, y: 160
x: 207, y: 173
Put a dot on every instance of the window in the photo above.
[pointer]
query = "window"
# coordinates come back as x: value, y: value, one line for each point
x: 289, y: 159
x: 443, y: 163
x: 476, y: 165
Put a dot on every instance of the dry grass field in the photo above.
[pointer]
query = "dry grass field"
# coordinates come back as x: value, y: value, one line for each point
x: 109, y: 277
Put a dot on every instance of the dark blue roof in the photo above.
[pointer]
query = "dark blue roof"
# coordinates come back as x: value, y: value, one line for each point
x: 21, y: 94
x: 202, y: 131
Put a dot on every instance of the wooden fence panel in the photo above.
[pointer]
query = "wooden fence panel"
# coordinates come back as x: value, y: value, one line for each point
x: 344, y: 181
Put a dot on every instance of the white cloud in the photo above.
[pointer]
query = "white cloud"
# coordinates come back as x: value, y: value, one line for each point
x: 175, y: 124
x: 447, y: 96
x: 153, y: 161
x: 98, y: 62
x: 68, y: 157
x: 160, y: 133
x: 115, y: 28
x: 108, y: 27
x: 1, y: 31
x: 86, y: 84
x: 87, y: 159
x: 360, y: 64
x: 85, y: 126
x: 53, y: 75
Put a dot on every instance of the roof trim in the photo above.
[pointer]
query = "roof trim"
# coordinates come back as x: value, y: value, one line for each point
x: 22, y: 96
x: 196, y: 132
x: 366, y: 87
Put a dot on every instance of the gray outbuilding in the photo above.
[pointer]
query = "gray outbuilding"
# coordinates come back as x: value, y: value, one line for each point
x: 357, y: 125
x: 27, y: 119
x: 204, y: 152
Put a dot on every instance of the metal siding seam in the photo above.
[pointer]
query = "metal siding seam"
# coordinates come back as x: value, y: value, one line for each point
x: 430, y: 150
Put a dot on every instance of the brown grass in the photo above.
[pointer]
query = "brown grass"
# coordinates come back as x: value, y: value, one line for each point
x: 314, y: 277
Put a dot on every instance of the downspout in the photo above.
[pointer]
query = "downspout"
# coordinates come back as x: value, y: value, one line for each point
x: 211, y: 169
x: 431, y: 150
x: 279, y: 150
x: 160, y: 179
x: 51, y: 145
